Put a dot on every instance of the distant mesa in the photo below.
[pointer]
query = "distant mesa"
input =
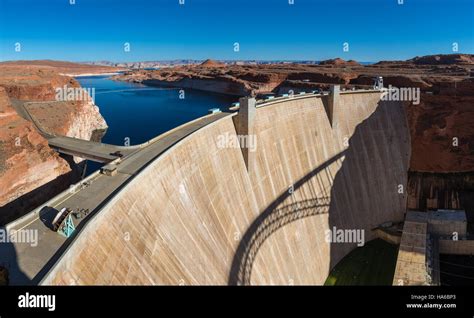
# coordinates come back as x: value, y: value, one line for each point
x: 339, y: 62
x: 443, y: 59
x: 437, y: 59
x: 212, y: 63
x: 63, y: 67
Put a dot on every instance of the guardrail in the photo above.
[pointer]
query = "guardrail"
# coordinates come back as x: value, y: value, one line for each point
x: 280, y: 99
x: 34, y: 214
x: 154, y: 139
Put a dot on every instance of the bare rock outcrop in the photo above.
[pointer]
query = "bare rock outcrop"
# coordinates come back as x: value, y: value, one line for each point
x: 436, y: 59
x: 212, y: 63
x: 37, y: 88
x: 339, y: 62
x: 442, y: 134
x: 26, y: 161
x: 30, y: 171
x: 443, y: 59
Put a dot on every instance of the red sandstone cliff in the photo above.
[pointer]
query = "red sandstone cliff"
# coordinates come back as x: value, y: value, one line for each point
x: 36, y: 87
x: 28, y: 167
x: 442, y: 133
x: 26, y: 161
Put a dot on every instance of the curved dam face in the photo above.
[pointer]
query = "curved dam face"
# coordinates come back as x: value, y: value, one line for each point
x: 199, y: 215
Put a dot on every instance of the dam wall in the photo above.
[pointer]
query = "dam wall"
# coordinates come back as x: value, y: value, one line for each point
x: 197, y: 215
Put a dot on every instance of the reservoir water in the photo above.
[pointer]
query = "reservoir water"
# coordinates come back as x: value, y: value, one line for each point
x: 137, y: 113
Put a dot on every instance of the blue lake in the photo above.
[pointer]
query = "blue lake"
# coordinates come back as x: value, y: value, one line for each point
x: 140, y: 112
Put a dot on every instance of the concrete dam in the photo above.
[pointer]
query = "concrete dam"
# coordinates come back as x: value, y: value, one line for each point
x: 201, y: 213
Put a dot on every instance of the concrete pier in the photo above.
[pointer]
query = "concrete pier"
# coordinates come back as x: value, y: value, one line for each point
x: 245, y: 128
x: 333, y: 104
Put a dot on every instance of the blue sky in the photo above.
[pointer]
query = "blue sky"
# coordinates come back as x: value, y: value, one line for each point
x: 265, y: 29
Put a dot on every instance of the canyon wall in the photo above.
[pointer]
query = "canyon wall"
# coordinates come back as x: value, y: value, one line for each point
x: 35, y: 88
x: 442, y: 162
x: 432, y: 191
x: 77, y: 119
x: 32, y: 172
x: 198, y: 215
x: 26, y: 161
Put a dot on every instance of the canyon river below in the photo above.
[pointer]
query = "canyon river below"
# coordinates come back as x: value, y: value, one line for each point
x: 137, y: 113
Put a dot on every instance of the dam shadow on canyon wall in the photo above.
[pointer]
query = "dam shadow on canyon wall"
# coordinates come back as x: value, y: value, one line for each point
x: 195, y: 215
